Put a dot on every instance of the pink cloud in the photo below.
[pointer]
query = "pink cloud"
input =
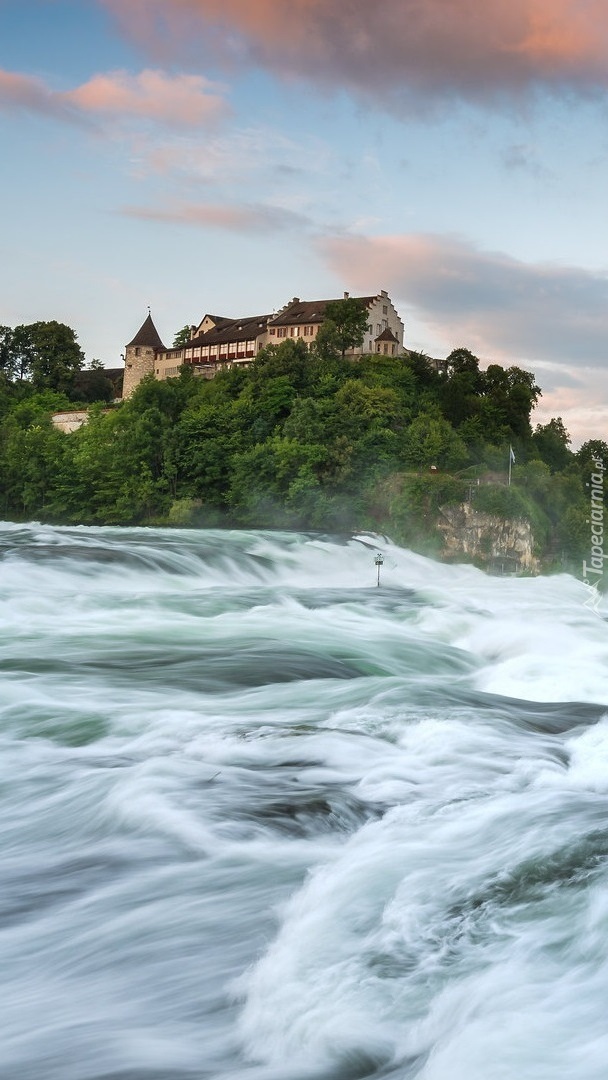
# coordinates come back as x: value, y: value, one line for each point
x: 583, y: 410
x: 244, y: 218
x: 187, y: 100
x: 398, y: 52
x: 180, y: 100
x: 24, y: 92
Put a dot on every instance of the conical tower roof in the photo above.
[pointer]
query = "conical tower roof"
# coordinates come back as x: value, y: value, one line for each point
x: 147, y: 335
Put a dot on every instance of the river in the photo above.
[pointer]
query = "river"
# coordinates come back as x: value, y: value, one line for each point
x: 262, y: 819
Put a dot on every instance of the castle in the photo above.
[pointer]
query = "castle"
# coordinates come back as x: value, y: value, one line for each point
x: 218, y: 342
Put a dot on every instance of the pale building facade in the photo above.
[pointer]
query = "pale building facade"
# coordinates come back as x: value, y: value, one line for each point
x: 218, y: 343
x: 303, y: 318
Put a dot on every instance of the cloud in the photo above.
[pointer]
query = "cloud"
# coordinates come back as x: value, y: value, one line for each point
x: 502, y: 308
x: 519, y: 157
x: 583, y: 420
x: 22, y: 92
x: 240, y: 155
x: 399, y: 53
x: 182, y: 100
x: 175, y: 101
x: 245, y: 218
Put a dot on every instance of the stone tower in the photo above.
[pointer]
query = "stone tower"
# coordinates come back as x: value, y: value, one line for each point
x: 140, y: 355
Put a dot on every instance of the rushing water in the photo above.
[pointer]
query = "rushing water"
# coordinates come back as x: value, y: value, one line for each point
x: 263, y: 820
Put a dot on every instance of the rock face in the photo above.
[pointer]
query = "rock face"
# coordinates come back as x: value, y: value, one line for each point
x: 70, y: 420
x: 500, y: 545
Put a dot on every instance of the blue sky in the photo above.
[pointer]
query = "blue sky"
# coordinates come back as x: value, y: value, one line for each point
x: 198, y: 155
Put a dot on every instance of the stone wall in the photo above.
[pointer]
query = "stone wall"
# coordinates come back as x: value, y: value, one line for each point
x: 139, y: 362
x: 70, y: 421
x: 498, y: 544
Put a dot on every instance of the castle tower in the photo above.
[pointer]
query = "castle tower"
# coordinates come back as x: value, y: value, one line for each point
x: 140, y: 355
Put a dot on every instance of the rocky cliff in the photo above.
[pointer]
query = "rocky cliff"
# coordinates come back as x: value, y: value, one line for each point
x: 498, y: 544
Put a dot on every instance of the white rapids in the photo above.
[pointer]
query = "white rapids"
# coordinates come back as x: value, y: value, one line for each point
x: 263, y: 820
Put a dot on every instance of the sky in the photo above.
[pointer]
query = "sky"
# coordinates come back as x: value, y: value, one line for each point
x: 223, y: 156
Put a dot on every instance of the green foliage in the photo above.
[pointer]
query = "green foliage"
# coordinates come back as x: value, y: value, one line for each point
x: 299, y: 439
x: 423, y: 370
x: 592, y: 451
x: 46, y: 354
x: 500, y: 501
x: 461, y: 361
x: 184, y: 513
x: 91, y: 385
x: 551, y: 442
x: 431, y: 440
x: 182, y: 337
x: 345, y: 323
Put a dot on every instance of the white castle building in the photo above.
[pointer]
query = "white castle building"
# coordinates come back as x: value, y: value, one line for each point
x: 219, y: 342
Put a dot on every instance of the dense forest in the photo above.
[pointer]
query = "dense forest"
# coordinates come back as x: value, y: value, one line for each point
x: 301, y: 439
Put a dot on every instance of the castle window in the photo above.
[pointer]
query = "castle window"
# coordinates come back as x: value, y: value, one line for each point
x: 137, y: 350
x: 384, y: 309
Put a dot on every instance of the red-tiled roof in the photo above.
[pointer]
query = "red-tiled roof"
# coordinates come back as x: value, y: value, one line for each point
x: 309, y: 311
x: 229, y: 330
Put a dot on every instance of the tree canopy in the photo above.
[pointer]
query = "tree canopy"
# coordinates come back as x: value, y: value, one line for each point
x: 181, y: 338
x: 345, y: 323
x: 47, y: 354
x: 301, y: 438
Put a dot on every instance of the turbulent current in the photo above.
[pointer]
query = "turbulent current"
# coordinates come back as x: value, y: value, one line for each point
x: 261, y: 819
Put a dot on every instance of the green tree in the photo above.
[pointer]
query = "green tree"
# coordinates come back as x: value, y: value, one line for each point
x: 423, y: 369
x: 91, y: 384
x: 290, y: 359
x: 30, y: 460
x: 590, y: 450
x: 431, y: 440
x: 19, y: 353
x: 509, y: 397
x: 182, y: 337
x: 47, y: 353
x: 551, y: 442
x: 327, y: 346
x: 348, y: 319
x: 462, y: 361
x: 8, y: 365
